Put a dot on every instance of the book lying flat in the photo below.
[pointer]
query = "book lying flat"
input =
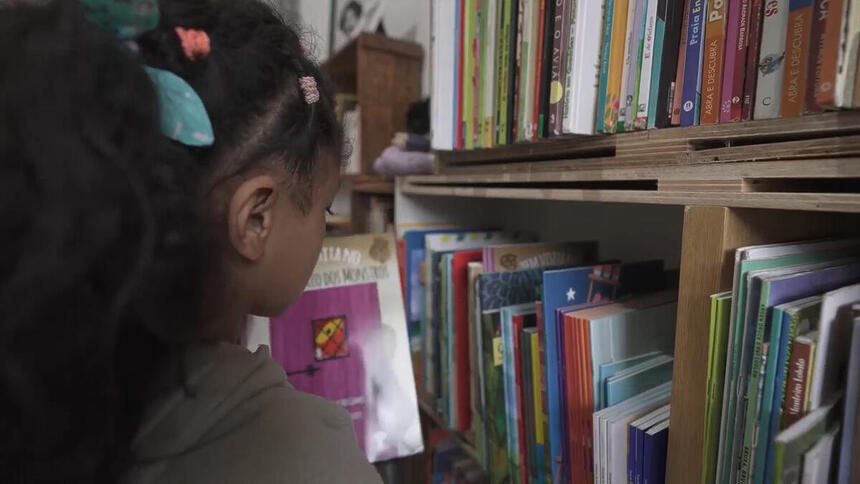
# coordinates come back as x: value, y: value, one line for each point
x: 638, y: 379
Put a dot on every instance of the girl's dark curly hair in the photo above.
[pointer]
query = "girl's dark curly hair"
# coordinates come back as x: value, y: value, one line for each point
x: 250, y: 86
x: 98, y: 248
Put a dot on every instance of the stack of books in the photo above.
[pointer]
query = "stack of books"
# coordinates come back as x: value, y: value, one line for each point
x: 518, y: 70
x: 521, y: 342
x: 784, y: 367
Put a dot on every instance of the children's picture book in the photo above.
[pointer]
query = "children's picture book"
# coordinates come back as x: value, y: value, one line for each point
x: 514, y: 319
x: 345, y: 339
x: 771, y: 61
x: 695, y: 48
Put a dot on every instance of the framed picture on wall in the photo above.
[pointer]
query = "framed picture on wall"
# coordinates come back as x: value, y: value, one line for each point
x: 349, y: 18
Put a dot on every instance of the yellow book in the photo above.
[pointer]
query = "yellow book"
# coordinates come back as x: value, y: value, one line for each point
x: 616, y: 66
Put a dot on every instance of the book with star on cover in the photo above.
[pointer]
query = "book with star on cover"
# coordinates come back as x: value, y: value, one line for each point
x: 345, y: 339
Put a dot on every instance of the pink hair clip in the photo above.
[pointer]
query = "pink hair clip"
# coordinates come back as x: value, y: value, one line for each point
x: 309, y: 89
x: 195, y: 43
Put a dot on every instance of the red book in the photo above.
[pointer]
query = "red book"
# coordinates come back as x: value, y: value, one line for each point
x: 518, y: 324
x: 796, y: 57
x: 572, y: 365
x: 816, y: 50
x: 756, y: 8
x: 461, y: 138
x: 799, y: 372
x: 460, y: 280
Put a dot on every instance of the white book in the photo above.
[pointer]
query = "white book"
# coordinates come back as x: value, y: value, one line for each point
x: 850, y: 444
x: 627, y: 62
x: 584, y: 67
x: 642, y: 108
x: 635, y: 408
x: 849, y: 50
x: 831, y: 356
x: 768, y: 95
x: 443, y: 57
x: 489, y: 59
x: 817, y: 460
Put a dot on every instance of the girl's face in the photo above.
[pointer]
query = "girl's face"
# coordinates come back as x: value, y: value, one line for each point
x: 294, y: 244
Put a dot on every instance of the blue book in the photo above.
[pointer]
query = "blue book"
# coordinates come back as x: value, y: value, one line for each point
x: 610, y: 369
x: 635, y: 451
x: 656, y: 442
x: 638, y: 379
x: 692, y: 91
x: 414, y: 251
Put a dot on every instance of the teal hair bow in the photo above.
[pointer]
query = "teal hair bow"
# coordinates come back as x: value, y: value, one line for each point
x: 183, y: 115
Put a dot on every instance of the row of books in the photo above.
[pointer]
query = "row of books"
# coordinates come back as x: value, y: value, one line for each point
x: 520, y: 343
x: 517, y: 70
x: 784, y: 367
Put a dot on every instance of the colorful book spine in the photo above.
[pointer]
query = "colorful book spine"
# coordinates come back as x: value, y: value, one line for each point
x: 636, y: 74
x: 585, y: 66
x: 799, y: 374
x: 523, y: 53
x: 820, y: 12
x: 480, y: 71
x: 561, y: 19
x: 503, y: 54
x: 825, y: 93
x: 468, y: 72
x: 605, y: 50
x: 616, y: 66
x: 475, y: 78
x: 678, y: 91
x: 628, y: 72
x: 771, y: 60
x: 643, y: 104
x: 537, y: 124
x: 532, y: 72
x: 569, y: 68
x: 849, y: 58
x: 692, y: 93
x: 664, y: 73
x: 539, y: 416
x: 796, y: 57
x: 494, y: 392
x: 737, y: 43
x: 545, y: 67
x: 489, y: 72
x: 459, y: 123
x: 712, y: 77
x: 517, y: 69
x: 753, y: 49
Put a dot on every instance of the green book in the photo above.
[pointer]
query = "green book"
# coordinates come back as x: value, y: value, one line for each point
x: 480, y: 66
x: 747, y: 260
x: 721, y: 305
x: 794, y: 441
x: 494, y: 404
x: 503, y: 91
x: 470, y: 31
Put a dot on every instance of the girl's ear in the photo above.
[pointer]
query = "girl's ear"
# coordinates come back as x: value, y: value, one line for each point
x: 251, y: 215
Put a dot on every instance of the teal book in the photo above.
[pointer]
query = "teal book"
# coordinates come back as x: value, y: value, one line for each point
x: 604, y: 65
x: 610, y: 369
x: 444, y: 334
x: 638, y: 379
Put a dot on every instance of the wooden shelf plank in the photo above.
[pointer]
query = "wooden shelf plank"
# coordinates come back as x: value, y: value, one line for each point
x: 819, y: 125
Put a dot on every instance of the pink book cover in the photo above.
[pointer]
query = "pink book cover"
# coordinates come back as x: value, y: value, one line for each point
x: 737, y: 30
x: 345, y: 340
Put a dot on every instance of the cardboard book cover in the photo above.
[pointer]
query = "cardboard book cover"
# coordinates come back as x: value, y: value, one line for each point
x: 345, y: 340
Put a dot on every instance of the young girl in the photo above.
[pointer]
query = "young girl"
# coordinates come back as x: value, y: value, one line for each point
x: 265, y: 186
x: 212, y: 411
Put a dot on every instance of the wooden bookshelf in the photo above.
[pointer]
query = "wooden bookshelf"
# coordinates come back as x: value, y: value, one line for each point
x: 741, y: 184
x: 383, y: 76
